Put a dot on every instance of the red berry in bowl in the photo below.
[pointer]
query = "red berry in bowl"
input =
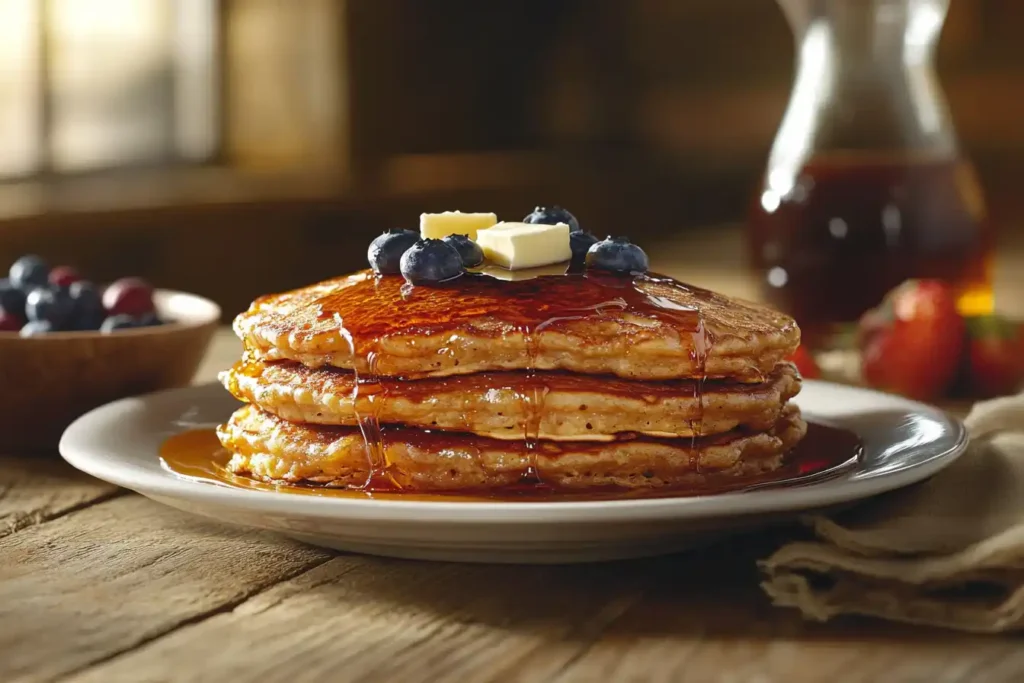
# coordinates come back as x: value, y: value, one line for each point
x: 9, y: 322
x: 128, y: 296
x: 64, y: 276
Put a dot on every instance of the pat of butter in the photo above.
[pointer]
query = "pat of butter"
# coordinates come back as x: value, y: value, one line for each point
x: 525, y: 245
x: 437, y: 226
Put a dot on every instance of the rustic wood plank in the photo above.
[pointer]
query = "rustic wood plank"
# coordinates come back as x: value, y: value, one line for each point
x: 697, y: 617
x: 705, y: 619
x: 102, y: 580
x: 37, y: 488
x: 389, y: 620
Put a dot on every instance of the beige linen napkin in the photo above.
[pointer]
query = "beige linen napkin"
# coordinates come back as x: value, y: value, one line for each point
x: 947, y: 552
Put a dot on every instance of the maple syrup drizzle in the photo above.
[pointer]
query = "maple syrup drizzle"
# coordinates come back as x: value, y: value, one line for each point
x: 371, y: 390
x: 825, y: 452
x: 368, y: 394
x: 701, y: 345
x: 531, y: 397
x: 371, y: 309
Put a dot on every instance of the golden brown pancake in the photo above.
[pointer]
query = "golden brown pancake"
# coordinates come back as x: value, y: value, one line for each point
x: 271, y: 449
x: 648, y: 327
x: 514, y: 405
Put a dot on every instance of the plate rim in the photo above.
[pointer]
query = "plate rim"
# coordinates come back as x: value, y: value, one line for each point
x: 160, y: 482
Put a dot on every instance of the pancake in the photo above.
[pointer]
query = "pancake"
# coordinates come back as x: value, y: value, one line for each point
x: 647, y: 327
x: 271, y: 449
x: 511, y: 405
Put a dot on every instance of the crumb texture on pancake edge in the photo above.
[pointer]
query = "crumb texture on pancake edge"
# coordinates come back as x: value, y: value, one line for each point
x: 267, y: 448
x: 654, y: 367
x: 491, y: 405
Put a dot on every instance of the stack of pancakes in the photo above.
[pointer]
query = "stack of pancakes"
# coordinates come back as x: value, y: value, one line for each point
x: 356, y: 382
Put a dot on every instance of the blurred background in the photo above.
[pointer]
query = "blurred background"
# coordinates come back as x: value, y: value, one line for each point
x: 237, y: 147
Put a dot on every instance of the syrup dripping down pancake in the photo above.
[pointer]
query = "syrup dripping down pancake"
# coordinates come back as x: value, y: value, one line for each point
x: 643, y: 327
x: 268, y: 448
x: 572, y: 407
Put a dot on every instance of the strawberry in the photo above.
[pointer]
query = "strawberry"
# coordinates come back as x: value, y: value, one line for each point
x: 995, y: 356
x: 911, y: 343
x: 805, y: 363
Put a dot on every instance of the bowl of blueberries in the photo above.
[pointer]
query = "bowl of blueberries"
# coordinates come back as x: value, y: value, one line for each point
x: 68, y: 345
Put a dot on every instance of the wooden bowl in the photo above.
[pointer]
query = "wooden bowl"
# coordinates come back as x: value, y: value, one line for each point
x: 48, y: 381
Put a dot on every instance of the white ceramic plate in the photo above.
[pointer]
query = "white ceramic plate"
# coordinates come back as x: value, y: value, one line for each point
x: 904, y: 442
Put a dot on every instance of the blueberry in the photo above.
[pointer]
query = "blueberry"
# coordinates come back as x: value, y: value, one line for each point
x: 550, y: 215
x: 431, y: 261
x: 118, y: 322
x: 12, y: 299
x: 469, y: 251
x: 149, y: 320
x: 29, y: 272
x: 579, y: 243
x: 52, y: 305
x: 36, y: 327
x: 87, y: 307
x: 617, y: 254
x: 385, y: 252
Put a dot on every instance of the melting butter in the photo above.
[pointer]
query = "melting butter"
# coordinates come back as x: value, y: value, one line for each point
x: 440, y: 225
x: 500, y: 273
x: 517, y: 246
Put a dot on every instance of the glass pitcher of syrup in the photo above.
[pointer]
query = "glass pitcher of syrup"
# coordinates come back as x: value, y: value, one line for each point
x: 866, y: 186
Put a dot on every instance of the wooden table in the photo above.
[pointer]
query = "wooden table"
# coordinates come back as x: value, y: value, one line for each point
x: 98, y: 584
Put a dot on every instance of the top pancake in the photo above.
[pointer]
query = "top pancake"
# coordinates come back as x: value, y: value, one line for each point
x: 648, y: 327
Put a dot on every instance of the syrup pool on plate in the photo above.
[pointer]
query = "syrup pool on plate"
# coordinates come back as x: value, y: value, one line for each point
x: 826, y: 451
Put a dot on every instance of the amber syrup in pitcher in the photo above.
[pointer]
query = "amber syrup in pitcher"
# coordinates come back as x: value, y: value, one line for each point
x: 854, y: 226
x: 866, y: 185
